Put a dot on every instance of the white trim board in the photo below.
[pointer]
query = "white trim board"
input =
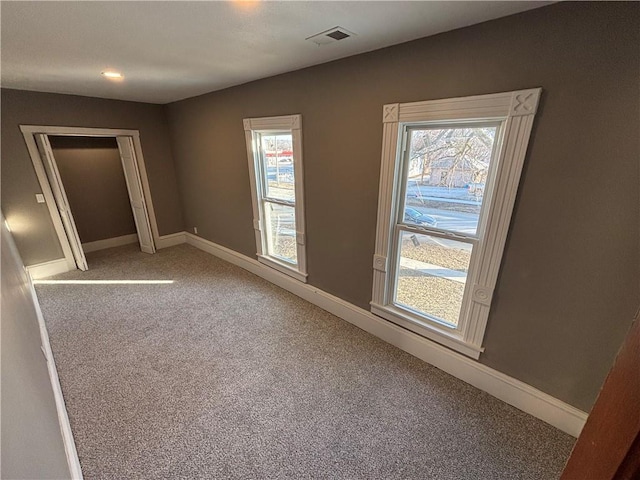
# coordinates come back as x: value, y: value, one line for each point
x: 110, y: 243
x: 63, y: 418
x: 510, y: 390
x: 49, y: 269
x: 171, y: 240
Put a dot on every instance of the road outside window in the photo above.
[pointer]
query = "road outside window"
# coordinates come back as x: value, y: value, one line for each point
x: 445, y: 174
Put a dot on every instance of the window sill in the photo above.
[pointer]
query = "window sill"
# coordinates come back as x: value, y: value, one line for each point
x: 283, y: 268
x: 448, y: 339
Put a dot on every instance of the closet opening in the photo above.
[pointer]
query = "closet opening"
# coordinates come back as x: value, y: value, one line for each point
x: 95, y: 186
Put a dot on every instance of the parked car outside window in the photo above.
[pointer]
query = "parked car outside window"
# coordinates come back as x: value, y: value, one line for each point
x: 411, y: 215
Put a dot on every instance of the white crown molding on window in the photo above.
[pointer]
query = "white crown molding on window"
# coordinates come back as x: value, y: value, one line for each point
x: 284, y: 122
x: 508, y: 389
x: 515, y: 113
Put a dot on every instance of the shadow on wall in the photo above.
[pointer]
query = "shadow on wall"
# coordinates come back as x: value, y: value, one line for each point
x: 32, y: 444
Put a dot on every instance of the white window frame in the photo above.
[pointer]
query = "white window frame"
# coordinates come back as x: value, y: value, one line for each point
x: 252, y: 128
x: 515, y: 111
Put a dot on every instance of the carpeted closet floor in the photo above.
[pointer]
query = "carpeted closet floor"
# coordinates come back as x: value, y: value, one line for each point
x: 220, y: 374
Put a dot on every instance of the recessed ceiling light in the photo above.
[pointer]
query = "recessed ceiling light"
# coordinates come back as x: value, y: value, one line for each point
x: 110, y: 74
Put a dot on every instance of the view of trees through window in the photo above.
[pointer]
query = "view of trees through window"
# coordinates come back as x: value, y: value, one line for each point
x: 448, y: 168
x: 444, y: 180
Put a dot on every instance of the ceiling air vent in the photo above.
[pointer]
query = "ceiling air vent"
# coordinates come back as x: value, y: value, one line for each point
x: 332, y: 35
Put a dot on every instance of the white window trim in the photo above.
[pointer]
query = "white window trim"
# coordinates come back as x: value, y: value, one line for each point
x: 516, y: 110
x: 287, y: 123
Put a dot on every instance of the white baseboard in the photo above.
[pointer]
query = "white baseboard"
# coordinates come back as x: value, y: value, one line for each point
x: 510, y: 390
x: 109, y: 243
x: 171, y: 240
x: 48, y: 269
x: 63, y: 418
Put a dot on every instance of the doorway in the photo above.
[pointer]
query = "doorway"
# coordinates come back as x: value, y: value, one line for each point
x: 39, y: 139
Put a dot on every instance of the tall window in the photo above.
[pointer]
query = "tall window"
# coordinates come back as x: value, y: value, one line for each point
x: 274, y: 150
x: 450, y: 172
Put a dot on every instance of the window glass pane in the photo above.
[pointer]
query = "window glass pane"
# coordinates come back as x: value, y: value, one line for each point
x: 277, y: 151
x: 432, y: 275
x: 446, y: 175
x: 280, y: 223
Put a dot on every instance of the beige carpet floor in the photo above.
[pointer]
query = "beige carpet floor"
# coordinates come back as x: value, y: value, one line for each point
x: 221, y: 374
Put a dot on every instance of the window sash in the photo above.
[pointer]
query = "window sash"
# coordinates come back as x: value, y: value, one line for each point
x: 263, y: 165
x: 268, y: 234
x: 401, y: 180
x: 392, y: 285
x: 285, y: 203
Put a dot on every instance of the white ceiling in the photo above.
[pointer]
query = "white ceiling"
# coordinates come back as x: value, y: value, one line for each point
x: 173, y: 50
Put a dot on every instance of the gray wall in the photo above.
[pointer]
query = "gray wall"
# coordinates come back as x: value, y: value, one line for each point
x: 32, y: 227
x: 569, y: 283
x: 31, y: 443
x: 93, y: 179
